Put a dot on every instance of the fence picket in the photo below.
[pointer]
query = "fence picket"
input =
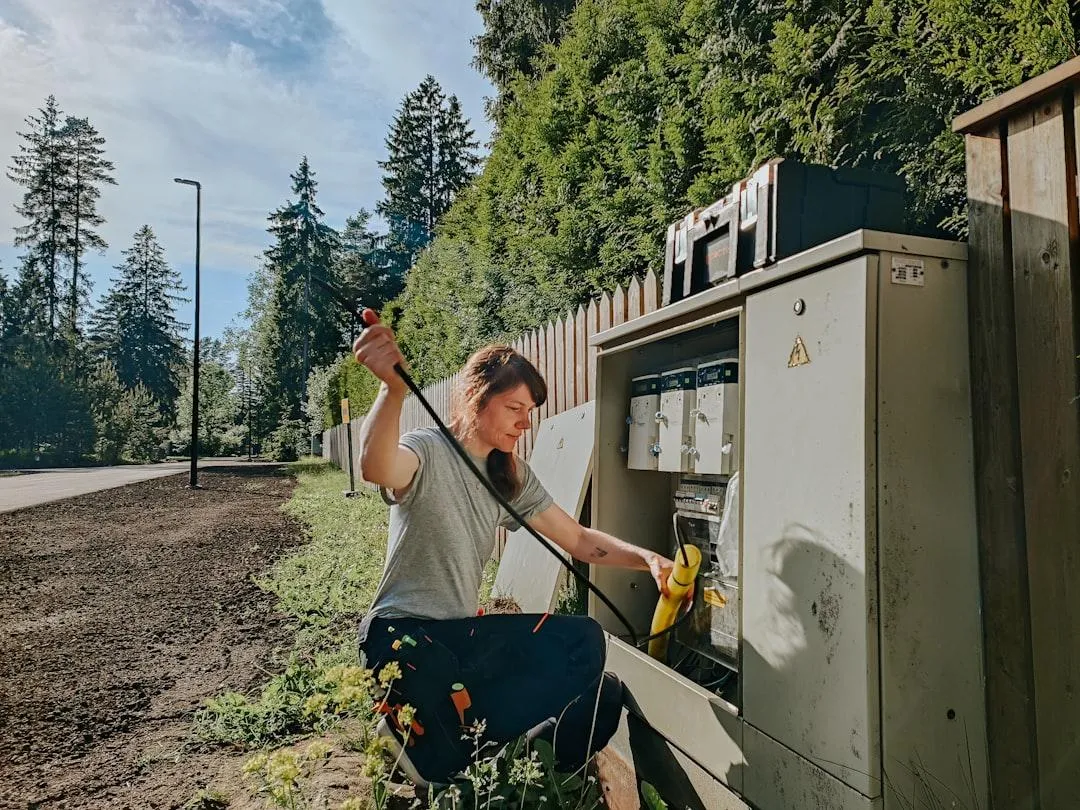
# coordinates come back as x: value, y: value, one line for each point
x: 581, y: 363
x: 633, y: 299
x: 592, y: 326
x: 551, y: 374
x: 651, y: 292
x: 618, y: 306
x: 565, y: 398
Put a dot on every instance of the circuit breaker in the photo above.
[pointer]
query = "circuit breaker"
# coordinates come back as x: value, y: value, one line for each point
x: 676, y: 438
x: 706, y: 515
x: 642, y: 449
x: 716, y: 418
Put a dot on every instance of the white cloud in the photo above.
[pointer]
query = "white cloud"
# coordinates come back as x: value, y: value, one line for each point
x: 232, y: 93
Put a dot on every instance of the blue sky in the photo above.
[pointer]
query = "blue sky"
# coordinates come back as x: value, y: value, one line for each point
x: 231, y: 93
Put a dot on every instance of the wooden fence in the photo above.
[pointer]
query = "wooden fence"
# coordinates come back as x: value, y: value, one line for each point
x: 1024, y: 291
x: 561, y: 352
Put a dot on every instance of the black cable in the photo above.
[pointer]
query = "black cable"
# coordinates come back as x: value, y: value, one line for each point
x: 415, y: 389
x: 679, y: 540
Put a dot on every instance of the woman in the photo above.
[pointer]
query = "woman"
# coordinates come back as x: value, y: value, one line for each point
x: 515, y: 673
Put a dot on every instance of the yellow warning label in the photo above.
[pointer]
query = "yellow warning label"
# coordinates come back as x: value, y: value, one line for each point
x: 715, y: 598
x: 799, y: 356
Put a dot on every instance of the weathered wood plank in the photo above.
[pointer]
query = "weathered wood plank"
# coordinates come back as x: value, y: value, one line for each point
x: 565, y: 397
x: 651, y: 292
x: 551, y: 369
x: 634, y: 300
x: 618, y: 306
x: 1025, y: 95
x: 592, y: 327
x: 541, y: 365
x: 581, y: 362
x: 998, y: 479
x: 1046, y: 349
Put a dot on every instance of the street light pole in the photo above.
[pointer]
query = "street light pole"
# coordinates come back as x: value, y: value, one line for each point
x: 193, y: 477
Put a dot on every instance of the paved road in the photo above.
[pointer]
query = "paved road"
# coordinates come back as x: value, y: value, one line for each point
x: 32, y: 487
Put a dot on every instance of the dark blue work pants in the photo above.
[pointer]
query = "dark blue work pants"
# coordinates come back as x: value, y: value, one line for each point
x: 518, y: 672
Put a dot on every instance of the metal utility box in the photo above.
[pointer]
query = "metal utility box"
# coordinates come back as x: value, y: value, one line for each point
x: 856, y: 678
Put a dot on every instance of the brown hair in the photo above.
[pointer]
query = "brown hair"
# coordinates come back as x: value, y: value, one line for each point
x: 489, y: 372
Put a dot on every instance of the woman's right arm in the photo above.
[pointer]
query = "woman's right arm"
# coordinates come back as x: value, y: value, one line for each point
x: 382, y: 460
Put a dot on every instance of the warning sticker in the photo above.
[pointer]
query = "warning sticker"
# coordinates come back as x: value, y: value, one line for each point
x: 799, y: 356
x: 908, y: 270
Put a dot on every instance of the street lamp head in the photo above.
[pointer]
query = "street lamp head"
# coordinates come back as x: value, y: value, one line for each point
x: 184, y: 182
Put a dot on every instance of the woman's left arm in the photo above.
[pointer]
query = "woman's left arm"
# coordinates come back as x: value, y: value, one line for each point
x: 599, y: 548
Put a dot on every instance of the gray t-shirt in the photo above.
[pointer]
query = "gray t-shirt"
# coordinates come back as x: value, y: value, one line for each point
x: 442, y: 532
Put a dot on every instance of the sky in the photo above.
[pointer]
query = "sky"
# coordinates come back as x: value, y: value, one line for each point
x: 231, y: 93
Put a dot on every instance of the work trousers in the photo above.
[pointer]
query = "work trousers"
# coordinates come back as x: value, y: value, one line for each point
x: 517, y: 673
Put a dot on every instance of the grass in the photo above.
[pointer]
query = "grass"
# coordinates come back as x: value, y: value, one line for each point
x: 333, y: 578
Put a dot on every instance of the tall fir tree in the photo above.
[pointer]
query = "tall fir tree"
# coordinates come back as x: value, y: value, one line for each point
x: 431, y: 157
x: 241, y: 345
x: 61, y: 165
x: 89, y: 170
x: 298, y: 325
x: 43, y: 168
x: 363, y: 267
x: 136, y: 329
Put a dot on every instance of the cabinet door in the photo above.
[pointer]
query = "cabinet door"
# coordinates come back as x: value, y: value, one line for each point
x: 810, y: 652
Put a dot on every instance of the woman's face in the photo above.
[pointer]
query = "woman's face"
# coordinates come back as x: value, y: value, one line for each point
x: 504, y: 418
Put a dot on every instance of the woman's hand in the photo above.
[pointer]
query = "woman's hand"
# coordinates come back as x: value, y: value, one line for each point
x: 660, y: 568
x: 377, y: 349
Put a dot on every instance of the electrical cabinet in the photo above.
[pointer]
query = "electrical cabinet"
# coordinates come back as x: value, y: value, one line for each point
x: 834, y: 658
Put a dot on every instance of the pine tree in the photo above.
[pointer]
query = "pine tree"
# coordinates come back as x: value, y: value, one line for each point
x: 219, y: 411
x: 249, y: 386
x: 110, y: 424
x: 135, y: 327
x: 42, y: 167
x: 84, y: 152
x: 145, y: 436
x: 431, y: 156
x: 299, y: 326
x: 362, y: 265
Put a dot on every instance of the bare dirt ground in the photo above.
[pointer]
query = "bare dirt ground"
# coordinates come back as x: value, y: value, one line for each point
x: 119, y: 612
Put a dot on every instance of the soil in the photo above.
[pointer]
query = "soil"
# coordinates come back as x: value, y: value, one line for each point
x: 122, y: 610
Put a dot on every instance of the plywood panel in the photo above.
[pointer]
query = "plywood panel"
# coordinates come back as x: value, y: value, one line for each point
x: 562, y: 460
